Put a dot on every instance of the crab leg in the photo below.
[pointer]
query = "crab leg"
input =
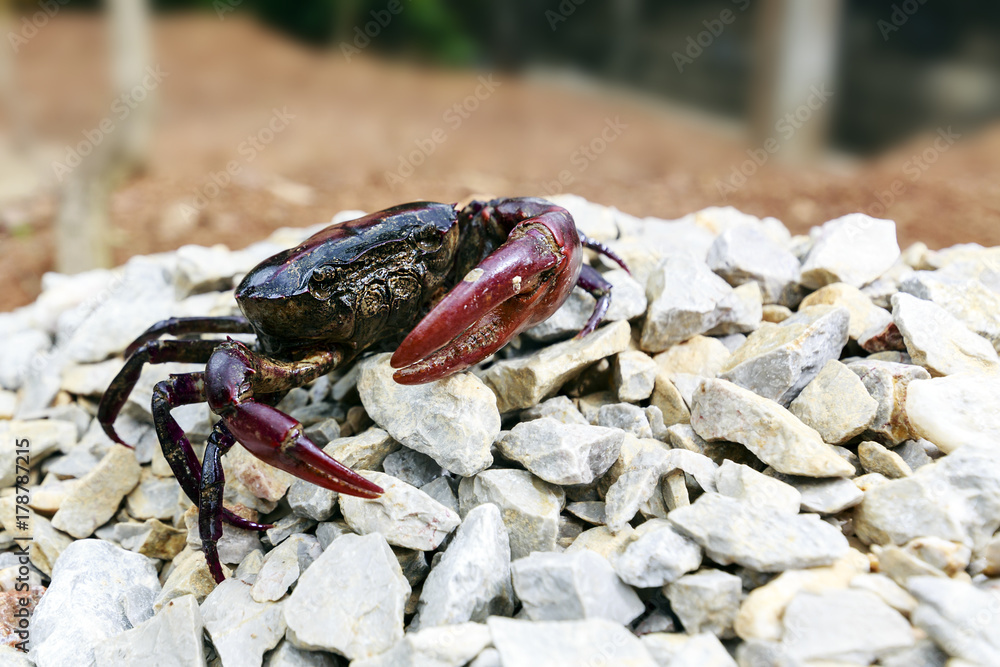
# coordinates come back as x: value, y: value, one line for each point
x: 150, y: 352
x: 594, y: 282
x: 180, y: 326
x: 210, y: 508
x: 235, y: 374
x: 177, y: 450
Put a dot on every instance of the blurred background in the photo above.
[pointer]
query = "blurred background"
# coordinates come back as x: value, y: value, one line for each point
x: 130, y: 127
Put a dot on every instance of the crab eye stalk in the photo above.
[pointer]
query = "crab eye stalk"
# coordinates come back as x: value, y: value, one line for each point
x: 322, y: 281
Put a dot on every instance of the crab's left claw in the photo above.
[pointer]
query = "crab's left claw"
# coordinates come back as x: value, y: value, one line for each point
x: 520, y: 284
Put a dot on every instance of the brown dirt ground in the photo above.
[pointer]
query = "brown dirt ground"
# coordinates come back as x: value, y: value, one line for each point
x: 353, y: 121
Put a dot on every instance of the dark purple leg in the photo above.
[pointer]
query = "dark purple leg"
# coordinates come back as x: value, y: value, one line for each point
x: 235, y: 374
x: 184, y: 390
x: 210, y: 509
x: 597, y: 246
x: 594, y: 282
x: 179, y: 326
x: 153, y: 352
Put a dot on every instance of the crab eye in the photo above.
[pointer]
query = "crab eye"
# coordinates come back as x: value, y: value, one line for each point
x: 427, y: 239
x: 323, y: 280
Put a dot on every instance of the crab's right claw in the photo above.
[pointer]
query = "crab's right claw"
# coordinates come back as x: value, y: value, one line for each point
x: 520, y: 284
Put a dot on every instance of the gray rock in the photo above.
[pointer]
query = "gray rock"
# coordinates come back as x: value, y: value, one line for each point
x: 21, y: 351
x: 968, y: 300
x: 634, y: 374
x: 876, y: 458
x: 955, y: 499
x: 849, y: 625
x: 143, y: 296
x: 888, y: 590
x: 328, y: 531
x: 190, y: 576
x: 412, y: 467
x: 364, y: 451
x: 154, y: 497
x: 570, y: 586
x: 283, y: 565
x: 310, y: 501
x: 954, y: 411
x: 640, y: 477
x: 472, y: 579
x: 172, y: 638
x: 591, y: 511
x: 924, y: 653
x: 723, y: 411
x: 938, y: 341
x: 628, y: 301
x: 823, y: 496
x: 242, y: 629
x: 445, y: 646
x: 854, y: 249
x: 700, y: 355
x: 865, y: 315
x: 778, y: 360
x: 626, y: 417
x: 730, y: 531
x: 744, y: 253
x: 836, y: 404
x: 523, y: 382
x: 670, y: 400
x: 684, y: 301
x: 680, y: 650
x: 403, y: 514
x: 958, y: 617
x: 566, y: 643
x: 453, y: 420
x: 740, y: 312
x: 287, y: 655
x: 562, y: 453
x: 888, y: 383
x: 557, y: 407
x: 441, y: 491
x: 756, y: 489
x: 529, y: 506
x: 657, y: 555
x: 350, y: 600
x: 706, y: 601
x: 98, y: 591
x: 285, y: 527
x: 97, y: 496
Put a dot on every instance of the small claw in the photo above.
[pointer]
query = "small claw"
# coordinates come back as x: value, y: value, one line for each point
x: 508, y: 292
x: 277, y: 439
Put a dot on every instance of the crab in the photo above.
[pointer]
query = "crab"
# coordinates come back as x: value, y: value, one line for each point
x: 456, y: 284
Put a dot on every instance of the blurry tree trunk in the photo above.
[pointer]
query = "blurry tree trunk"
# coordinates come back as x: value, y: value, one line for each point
x: 83, y: 220
x: 797, y: 43
x: 625, y: 36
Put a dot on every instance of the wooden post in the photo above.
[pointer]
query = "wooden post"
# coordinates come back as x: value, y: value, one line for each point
x: 796, y: 55
x: 83, y: 221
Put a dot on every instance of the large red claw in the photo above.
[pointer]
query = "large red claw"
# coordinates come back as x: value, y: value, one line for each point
x: 277, y: 439
x: 520, y: 284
